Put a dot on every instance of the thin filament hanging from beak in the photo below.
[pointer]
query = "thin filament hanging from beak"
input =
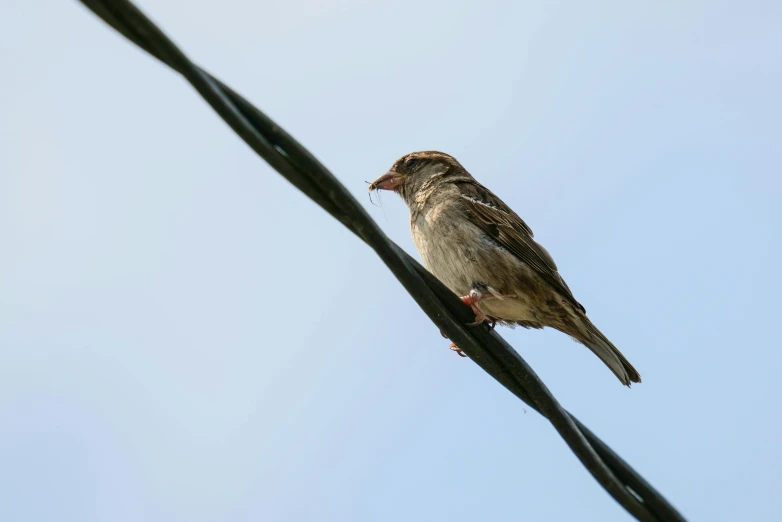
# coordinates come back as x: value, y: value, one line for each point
x: 379, y: 200
x: 370, y: 194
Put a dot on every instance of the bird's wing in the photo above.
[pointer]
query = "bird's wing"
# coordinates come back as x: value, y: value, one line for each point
x: 503, y: 225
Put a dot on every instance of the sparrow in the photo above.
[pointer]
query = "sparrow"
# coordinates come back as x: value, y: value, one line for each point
x: 482, y: 250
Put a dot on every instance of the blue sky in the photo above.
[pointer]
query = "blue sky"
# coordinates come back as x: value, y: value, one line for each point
x: 184, y: 336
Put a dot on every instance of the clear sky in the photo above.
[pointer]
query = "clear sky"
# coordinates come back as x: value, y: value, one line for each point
x: 185, y: 337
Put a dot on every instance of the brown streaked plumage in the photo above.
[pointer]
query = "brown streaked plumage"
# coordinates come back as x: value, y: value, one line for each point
x: 482, y: 250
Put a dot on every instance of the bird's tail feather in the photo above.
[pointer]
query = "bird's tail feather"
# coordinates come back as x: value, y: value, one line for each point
x: 609, y: 354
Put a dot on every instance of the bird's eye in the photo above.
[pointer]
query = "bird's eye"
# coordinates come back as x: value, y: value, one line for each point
x: 411, y: 163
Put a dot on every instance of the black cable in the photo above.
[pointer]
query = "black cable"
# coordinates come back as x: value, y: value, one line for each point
x: 443, y: 307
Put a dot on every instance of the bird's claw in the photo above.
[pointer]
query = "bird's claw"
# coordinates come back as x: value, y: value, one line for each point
x: 456, y: 349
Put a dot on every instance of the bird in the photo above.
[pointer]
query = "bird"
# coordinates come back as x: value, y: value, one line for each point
x: 484, y: 252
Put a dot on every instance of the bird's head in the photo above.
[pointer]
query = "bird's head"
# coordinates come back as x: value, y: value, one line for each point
x: 415, y: 171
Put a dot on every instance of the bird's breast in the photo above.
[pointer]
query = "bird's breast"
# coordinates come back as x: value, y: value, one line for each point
x: 451, y: 248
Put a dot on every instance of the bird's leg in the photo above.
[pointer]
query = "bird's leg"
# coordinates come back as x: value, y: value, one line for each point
x: 476, y: 295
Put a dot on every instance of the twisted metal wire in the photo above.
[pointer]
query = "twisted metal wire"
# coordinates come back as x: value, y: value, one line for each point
x: 485, y: 347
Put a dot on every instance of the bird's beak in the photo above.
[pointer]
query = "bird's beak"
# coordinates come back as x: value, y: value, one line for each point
x: 389, y: 181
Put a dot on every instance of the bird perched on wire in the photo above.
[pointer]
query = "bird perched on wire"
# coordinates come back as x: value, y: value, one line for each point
x: 482, y: 250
